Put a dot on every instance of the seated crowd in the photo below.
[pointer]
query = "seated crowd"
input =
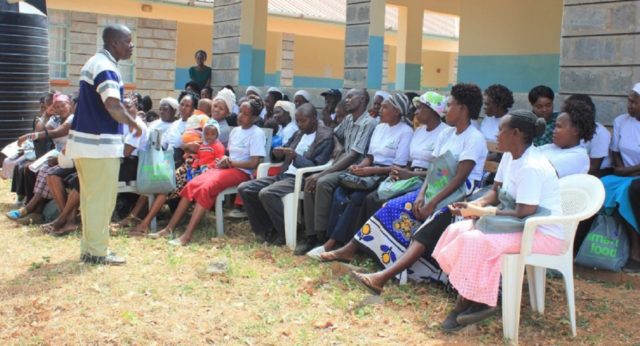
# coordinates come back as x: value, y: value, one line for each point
x: 378, y: 197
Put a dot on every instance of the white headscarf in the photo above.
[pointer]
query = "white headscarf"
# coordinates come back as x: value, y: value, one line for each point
x: 275, y: 90
x: 228, y: 97
x: 171, y: 102
x: 636, y: 88
x: 304, y: 94
x: 288, y: 107
x: 385, y: 95
x: 252, y: 89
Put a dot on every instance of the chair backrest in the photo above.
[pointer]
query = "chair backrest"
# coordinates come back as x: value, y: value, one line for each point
x: 268, y: 134
x: 491, y: 166
x: 582, y: 196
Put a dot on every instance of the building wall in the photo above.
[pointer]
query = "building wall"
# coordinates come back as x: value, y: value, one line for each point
x: 191, y: 38
x: 513, y: 42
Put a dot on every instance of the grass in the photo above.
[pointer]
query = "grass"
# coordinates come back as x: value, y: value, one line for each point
x: 267, y: 296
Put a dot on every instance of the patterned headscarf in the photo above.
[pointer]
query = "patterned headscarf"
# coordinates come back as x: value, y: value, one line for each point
x: 400, y: 102
x: 434, y: 101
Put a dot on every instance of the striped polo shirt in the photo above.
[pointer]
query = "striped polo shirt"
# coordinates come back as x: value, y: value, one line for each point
x: 94, y: 133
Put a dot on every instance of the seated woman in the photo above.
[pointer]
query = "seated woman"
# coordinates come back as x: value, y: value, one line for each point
x: 389, y: 145
x: 497, y: 101
x: 623, y: 186
x: 200, y: 157
x: 246, y: 148
x: 397, y: 235
x: 430, y: 107
x: 283, y: 113
x: 221, y: 112
x: 541, y: 100
x: 470, y: 252
x: 41, y: 193
x: 187, y: 103
x: 574, y: 124
x: 598, y: 146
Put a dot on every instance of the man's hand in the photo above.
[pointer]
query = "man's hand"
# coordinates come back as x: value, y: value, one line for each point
x: 362, y: 171
x: 310, y: 182
x: 286, y: 151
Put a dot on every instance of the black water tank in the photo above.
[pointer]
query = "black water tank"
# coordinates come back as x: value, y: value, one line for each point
x: 24, y: 66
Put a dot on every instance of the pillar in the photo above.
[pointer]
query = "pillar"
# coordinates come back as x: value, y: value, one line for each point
x: 600, y: 53
x: 364, y: 44
x: 239, y: 35
x: 409, y: 51
x: 286, y: 60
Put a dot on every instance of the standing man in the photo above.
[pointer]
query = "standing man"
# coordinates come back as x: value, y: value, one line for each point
x: 96, y: 142
x: 353, y: 133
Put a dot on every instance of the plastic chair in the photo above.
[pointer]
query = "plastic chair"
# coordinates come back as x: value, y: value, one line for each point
x: 582, y: 196
x: 292, y: 200
x: 268, y: 132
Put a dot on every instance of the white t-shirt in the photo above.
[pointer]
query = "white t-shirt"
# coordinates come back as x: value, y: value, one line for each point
x: 60, y: 142
x: 475, y: 123
x: 288, y: 131
x: 245, y: 143
x: 532, y: 180
x: 489, y: 128
x: 160, y: 125
x: 598, y: 146
x: 390, y: 144
x: 301, y: 149
x: 574, y: 160
x: 422, y: 144
x: 140, y: 142
x: 626, y: 139
x: 173, y: 136
x: 263, y: 113
x: 468, y: 145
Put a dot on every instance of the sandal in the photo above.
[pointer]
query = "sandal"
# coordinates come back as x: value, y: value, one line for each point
x: 158, y: 235
x: 47, y: 228
x: 129, y: 221
x: 330, y: 257
x: 365, y: 282
x: 450, y: 324
x: 17, y: 213
x: 64, y: 231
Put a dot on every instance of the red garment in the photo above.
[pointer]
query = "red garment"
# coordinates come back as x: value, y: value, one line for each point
x: 204, y: 188
x: 208, y: 154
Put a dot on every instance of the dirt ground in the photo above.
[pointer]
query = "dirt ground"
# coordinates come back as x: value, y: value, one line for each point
x: 266, y: 296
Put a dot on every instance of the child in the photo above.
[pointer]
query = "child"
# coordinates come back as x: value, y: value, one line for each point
x: 201, y: 156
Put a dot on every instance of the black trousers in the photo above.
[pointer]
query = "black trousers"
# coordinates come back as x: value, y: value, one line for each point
x: 263, y: 203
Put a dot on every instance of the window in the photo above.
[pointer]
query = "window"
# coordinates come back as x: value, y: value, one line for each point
x: 127, y: 67
x: 58, y: 44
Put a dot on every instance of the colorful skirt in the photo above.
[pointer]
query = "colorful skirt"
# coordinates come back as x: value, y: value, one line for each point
x: 388, y: 233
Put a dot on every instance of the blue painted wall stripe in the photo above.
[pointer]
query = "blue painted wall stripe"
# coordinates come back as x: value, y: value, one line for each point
x: 257, y: 73
x: 317, y: 82
x: 376, y: 55
x: 518, y: 72
x: 182, y: 77
x: 408, y: 76
x: 272, y: 79
x: 246, y: 64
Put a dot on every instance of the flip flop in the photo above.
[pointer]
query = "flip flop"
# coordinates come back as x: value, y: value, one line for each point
x: 47, y: 228
x: 157, y: 235
x: 176, y: 242
x: 331, y: 257
x: 366, y: 283
x: 17, y: 214
x: 62, y: 232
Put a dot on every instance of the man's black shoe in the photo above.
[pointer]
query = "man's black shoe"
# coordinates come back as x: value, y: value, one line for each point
x: 305, y: 246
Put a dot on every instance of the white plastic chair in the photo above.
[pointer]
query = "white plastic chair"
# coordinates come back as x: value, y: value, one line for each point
x: 130, y: 187
x: 292, y: 200
x: 268, y: 132
x: 582, y: 196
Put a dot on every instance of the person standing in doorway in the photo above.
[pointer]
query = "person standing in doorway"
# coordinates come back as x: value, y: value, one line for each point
x: 96, y: 142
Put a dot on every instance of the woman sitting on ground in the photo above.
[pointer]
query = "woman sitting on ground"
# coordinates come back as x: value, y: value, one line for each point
x: 623, y: 186
x: 246, y: 148
x: 397, y: 235
x: 470, y: 252
x: 576, y: 123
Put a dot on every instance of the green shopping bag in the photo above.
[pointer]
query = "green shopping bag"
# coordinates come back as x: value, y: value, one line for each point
x: 390, y: 188
x: 155, y: 168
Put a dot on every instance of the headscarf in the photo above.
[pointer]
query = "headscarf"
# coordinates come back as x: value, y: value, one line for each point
x: 60, y: 97
x: 171, y: 102
x: 228, y: 97
x: 288, y: 107
x: 434, y: 101
x: 275, y: 90
x: 304, y: 94
x: 636, y: 88
x: 212, y: 123
x: 252, y: 89
x: 385, y: 95
x: 400, y: 102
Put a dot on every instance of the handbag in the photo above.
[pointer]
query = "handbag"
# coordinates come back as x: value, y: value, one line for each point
x: 355, y: 182
x: 441, y: 170
x: 606, y: 245
x: 390, y: 188
x: 155, y: 173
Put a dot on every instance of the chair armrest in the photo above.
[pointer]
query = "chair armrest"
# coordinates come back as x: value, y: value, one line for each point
x: 300, y: 172
x: 263, y: 168
x: 532, y: 224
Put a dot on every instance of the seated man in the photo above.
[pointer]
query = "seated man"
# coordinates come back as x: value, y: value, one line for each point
x: 353, y: 133
x: 310, y: 146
